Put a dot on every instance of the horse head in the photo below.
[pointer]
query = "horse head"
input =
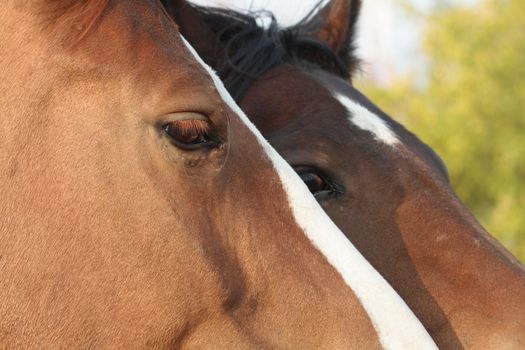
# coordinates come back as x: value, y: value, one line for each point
x: 141, y: 209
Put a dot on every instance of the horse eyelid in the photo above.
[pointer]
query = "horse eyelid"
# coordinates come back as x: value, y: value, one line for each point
x: 182, y: 116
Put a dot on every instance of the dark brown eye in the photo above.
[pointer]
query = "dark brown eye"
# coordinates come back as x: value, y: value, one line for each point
x: 314, y: 182
x: 317, y: 183
x: 189, y: 133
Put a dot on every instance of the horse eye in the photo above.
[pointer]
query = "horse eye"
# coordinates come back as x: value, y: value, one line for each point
x: 189, y: 133
x: 317, y: 183
x: 314, y: 182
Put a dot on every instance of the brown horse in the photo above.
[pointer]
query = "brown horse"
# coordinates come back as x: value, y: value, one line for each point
x: 385, y: 189
x: 140, y: 208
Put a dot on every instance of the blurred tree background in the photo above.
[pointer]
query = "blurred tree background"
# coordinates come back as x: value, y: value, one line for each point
x: 470, y: 108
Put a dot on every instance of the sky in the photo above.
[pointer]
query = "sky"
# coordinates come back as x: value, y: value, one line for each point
x: 389, y: 39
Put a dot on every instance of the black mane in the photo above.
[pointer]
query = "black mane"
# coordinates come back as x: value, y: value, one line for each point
x: 255, y: 43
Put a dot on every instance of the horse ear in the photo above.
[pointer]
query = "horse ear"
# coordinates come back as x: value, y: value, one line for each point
x: 335, y: 25
x: 195, y: 30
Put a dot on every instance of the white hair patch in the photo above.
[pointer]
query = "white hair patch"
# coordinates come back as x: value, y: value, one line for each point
x: 368, y: 121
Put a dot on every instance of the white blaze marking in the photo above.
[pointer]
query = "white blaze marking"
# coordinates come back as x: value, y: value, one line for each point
x: 396, y: 325
x: 366, y: 120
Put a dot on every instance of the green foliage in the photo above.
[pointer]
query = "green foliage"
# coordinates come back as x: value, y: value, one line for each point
x: 472, y: 109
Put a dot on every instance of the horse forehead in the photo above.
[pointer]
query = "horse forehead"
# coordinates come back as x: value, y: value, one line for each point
x: 358, y: 111
x: 287, y: 96
x: 142, y: 34
x: 364, y: 115
x: 368, y: 121
x: 136, y: 52
x: 314, y: 100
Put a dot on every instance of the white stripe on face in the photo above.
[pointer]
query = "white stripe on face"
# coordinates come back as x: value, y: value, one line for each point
x: 366, y: 120
x: 396, y: 325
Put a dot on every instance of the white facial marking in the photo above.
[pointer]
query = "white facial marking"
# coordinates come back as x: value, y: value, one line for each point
x: 396, y: 325
x: 366, y: 120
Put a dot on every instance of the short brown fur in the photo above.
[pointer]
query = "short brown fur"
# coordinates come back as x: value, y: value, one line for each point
x: 71, y: 20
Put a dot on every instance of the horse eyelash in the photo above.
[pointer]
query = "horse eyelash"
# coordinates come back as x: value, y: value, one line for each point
x: 193, y: 127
